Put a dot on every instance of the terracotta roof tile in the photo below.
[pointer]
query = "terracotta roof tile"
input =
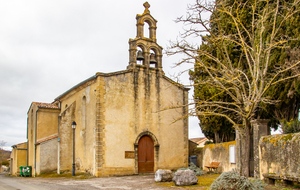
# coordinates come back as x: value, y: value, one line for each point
x: 46, y: 105
x: 196, y: 140
x: 46, y: 139
x: 205, y: 139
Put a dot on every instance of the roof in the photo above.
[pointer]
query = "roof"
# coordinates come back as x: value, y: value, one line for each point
x: 46, y: 139
x: 111, y: 74
x: 16, y: 145
x: 77, y: 85
x: 199, y: 140
x: 203, y: 140
x: 196, y: 140
x: 53, y: 105
x: 46, y: 105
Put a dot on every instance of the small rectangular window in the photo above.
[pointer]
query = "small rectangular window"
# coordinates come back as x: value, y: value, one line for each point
x: 232, y: 154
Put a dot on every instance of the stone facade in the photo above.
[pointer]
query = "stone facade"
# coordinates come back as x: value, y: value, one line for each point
x: 18, y: 158
x: 260, y: 128
x: 280, y: 155
x: 41, y: 126
x: 217, y: 153
x: 114, y: 112
x: 46, y: 155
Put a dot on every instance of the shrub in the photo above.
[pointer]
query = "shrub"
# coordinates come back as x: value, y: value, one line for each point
x: 290, y: 127
x: 209, y: 142
x: 193, y: 167
x: 233, y: 181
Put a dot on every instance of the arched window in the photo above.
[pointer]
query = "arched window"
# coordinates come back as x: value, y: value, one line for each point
x: 153, y: 61
x: 83, y: 111
x: 146, y: 30
x: 140, y: 56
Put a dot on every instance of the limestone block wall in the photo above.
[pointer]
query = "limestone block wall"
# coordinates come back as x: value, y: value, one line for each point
x: 280, y: 154
x: 173, y: 132
x: 117, y: 127
x: 37, y: 170
x: 79, y: 105
x: 47, y: 120
x: 65, y: 133
x: 133, y: 104
x: 48, y: 155
x: 198, y: 151
x: 31, y: 135
x: 192, y: 147
x: 218, y: 153
x: 112, y: 111
x: 18, y: 158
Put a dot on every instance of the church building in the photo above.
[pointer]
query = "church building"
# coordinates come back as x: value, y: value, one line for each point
x: 127, y: 122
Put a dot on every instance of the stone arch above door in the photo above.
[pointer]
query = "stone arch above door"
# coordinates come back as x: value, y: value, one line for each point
x: 156, y: 149
x: 148, y: 133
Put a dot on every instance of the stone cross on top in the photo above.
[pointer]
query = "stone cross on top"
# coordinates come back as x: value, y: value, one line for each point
x: 147, y: 6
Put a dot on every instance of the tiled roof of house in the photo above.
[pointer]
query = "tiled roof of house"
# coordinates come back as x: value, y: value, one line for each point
x: 196, y: 140
x: 46, y: 105
x: 46, y: 139
x: 204, y: 139
x: 17, y: 145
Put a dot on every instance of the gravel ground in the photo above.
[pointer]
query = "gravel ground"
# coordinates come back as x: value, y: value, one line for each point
x: 113, y: 183
x: 110, y: 183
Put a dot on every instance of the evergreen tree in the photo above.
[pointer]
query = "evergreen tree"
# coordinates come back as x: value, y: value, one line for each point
x: 286, y: 94
x: 236, y: 66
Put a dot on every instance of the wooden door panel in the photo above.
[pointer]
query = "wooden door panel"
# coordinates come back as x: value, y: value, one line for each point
x: 146, y: 155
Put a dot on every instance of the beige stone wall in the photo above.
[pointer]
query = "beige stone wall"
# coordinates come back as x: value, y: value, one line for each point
x: 65, y: 133
x: 18, y: 158
x: 280, y: 155
x: 31, y: 135
x: 173, y: 135
x: 47, y: 120
x: 13, y: 161
x: 111, y: 111
x: 42, y: 123
x: 118, y: 118
x: 79, y: 105
x: 133, y: 104
x: 192, y: 147
x: 48, y: 155
x: 37, y: 170
x: 218, y: 153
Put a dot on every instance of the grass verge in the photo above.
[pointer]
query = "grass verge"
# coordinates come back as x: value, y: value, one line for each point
x: 204, y: 182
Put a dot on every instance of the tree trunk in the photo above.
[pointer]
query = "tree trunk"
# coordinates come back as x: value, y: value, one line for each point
x: 245, y: 151
x: 217, y: 139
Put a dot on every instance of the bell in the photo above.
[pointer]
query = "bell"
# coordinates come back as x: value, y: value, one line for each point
x: 152, y: 59
x: 140, y: 55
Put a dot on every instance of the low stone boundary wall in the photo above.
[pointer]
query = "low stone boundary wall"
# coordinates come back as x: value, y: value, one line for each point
x: 279, y: 157
x: 216, y: 153
x: 278, y: 180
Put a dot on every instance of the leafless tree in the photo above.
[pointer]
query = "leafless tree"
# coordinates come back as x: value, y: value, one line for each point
x: 2, y: 144
x: 246, y: 85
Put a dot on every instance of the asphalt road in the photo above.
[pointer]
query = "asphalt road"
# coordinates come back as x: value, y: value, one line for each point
x: 107, y: 183
x: 19, y: 183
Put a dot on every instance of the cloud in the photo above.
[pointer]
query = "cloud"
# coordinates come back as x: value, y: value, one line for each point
x: 46, y: 47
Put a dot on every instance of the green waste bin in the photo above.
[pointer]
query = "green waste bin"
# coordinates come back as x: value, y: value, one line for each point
x: 27, y: 171
x: 21, y: 170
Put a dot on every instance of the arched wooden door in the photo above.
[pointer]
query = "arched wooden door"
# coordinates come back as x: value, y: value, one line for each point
x: 146, y: 155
